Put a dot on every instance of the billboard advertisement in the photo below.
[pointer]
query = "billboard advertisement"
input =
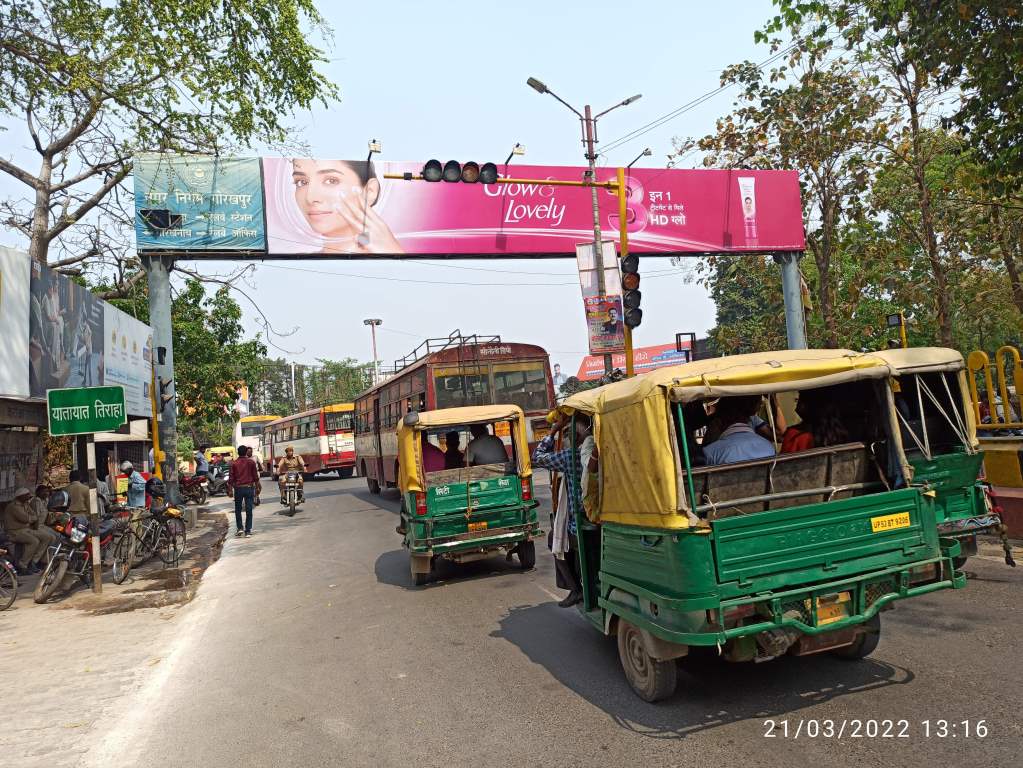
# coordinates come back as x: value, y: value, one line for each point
x: 78, y: 340
x: 644, y: 359
x: 65, y: 334
x: 128, y: 358
x: 14, y: 309
x: 219, y: 202
x: 348, y: 208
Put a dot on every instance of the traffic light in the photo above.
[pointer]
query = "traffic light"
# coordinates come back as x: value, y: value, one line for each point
x: 632, y: 296
x: 453, y: 171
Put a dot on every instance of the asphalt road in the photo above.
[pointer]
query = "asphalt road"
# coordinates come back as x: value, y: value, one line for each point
x: 307, y: 646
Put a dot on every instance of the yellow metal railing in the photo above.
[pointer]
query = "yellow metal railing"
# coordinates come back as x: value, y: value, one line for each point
x: 1000, y: 407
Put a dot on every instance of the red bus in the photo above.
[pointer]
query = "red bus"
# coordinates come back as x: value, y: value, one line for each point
x: 447, y: 373
x: 323, y: 437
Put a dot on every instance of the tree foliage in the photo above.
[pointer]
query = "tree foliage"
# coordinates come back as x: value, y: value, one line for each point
x: 89, y: 83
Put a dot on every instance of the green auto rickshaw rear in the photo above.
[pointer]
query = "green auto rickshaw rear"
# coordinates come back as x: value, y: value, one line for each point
x: 471, y: 499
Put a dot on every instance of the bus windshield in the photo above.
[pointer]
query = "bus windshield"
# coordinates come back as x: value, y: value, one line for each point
x: 252, y: 429
x: 339, y: 421
x: 455, y: 389
x: 522, y: 384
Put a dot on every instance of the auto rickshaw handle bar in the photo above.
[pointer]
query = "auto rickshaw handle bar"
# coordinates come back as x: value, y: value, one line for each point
x: 685, y: 454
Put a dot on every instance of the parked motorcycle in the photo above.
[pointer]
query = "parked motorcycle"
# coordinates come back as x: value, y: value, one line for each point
x: 292, y: 492
x: 71, y: 557
x: 218, y: 481
x: 194, y: 488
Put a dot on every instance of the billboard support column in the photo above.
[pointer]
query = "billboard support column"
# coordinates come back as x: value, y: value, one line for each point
x: 158, y: 270
x: 795, y: 324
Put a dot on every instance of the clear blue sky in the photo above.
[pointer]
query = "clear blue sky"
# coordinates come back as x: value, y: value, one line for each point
x: 448, y: 80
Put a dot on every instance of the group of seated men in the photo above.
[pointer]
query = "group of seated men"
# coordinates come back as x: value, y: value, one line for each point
x: 484, y: 448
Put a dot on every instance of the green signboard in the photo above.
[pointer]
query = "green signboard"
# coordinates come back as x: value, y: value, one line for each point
x: 83, y: 410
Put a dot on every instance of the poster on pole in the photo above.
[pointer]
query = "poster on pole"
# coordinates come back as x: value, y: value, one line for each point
x: 604, y: 324
x: 14, y: 310
x: 349, y: 208
x: 587, y: 263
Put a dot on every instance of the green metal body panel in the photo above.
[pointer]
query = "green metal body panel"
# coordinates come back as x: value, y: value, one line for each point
x: 444, y: 528
x: 960, y: 505
x: 674, y: 583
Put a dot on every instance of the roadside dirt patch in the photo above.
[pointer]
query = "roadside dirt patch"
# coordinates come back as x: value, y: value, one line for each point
x: 153, y: 584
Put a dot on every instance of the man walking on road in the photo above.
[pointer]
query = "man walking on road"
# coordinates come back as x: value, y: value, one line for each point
x: 244, y: 481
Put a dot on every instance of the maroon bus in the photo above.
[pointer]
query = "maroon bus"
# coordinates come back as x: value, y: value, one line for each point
x: 448, y: 373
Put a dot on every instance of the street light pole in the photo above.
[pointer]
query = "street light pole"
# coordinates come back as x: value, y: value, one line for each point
x: 373, y: 323
x: 589, y: 126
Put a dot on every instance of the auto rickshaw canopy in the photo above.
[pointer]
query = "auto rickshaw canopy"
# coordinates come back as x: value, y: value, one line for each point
x: 411, y: 475
x: 641, y: 477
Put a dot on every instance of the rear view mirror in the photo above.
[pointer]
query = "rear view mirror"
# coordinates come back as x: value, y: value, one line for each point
x: 411, y: 419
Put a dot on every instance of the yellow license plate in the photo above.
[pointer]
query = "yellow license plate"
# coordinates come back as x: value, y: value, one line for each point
x: 889, y: 522
x: 831, y: 609
x: 480, y: 526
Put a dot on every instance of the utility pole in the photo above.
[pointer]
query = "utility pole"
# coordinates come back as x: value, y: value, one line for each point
x: 373, y: 323
x: 795, y: 323
x: 158, y: 269
x: 589, y: 126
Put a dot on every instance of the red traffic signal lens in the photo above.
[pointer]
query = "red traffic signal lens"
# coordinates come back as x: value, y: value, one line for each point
x: 433, y: 171
x: 452, y: 171
x: 470, y: 173
x: 488, y: 173
x: 630, y: 281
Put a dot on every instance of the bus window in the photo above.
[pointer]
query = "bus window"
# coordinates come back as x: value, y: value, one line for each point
x: 339, y: 420
x: 251, y: 429
x: 458, y: 390
x: 522, y: 384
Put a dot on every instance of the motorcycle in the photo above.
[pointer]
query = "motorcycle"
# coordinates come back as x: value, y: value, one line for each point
x: 194, y: 488
x: 71, y: 558
x: 218, y: 481
x: 293, y: 495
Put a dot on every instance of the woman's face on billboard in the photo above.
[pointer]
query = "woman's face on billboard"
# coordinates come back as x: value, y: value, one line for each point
x: 321, y: 186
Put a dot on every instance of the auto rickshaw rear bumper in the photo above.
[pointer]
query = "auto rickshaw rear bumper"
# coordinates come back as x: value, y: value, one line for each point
x: 504, y: 537
x: 815, y: 610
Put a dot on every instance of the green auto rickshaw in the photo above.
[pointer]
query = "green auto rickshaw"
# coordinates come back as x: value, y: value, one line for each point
x: 466, y: 487
x: 795, y: 551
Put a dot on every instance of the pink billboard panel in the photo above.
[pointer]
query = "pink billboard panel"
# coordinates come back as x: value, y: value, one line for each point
x: 326, y: 206
x: 644, y: 359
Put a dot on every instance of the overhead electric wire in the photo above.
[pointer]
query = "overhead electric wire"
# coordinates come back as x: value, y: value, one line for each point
x: 644, y: 129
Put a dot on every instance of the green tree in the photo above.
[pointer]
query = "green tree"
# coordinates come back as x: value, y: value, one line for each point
x: 211, y: 360
x: 89, y: 83
x: 815, y: 116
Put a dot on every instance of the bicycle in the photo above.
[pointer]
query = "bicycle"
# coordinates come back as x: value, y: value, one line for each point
x: 8, y: 582
x: 138, y: 541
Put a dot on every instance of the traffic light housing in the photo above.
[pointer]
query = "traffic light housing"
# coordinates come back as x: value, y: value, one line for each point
x: 631, y: 296
x: 452, y: 171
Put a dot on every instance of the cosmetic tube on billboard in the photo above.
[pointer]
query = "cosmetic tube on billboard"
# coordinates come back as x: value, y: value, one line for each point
x: 749, y: 207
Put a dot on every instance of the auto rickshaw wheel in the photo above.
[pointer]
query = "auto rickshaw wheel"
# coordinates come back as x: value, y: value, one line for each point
x: 527, y: 555
x: 651, y: 679
x: 865, y: 644
x: 420, y: 579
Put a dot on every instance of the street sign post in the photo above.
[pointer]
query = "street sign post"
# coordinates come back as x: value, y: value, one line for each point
x: 85, y: 411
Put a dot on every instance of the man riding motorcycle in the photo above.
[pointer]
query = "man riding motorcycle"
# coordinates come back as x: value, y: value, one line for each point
x: 294, y: 463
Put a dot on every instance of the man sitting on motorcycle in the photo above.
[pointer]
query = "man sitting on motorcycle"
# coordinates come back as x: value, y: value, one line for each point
x: 294, y: 463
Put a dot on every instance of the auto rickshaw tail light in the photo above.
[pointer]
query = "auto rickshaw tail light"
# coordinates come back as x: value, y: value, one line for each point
x: 420, y: 503
x: 527, y: 489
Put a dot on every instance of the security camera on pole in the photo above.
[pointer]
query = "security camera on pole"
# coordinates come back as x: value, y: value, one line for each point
x: 589, y: 127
